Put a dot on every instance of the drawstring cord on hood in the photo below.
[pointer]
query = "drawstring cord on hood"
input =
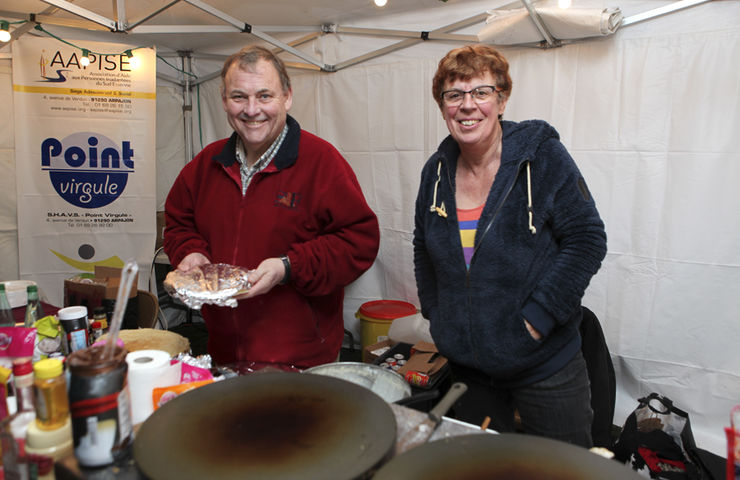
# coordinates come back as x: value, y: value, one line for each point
x: 530, y: 211
x: 441, y: 210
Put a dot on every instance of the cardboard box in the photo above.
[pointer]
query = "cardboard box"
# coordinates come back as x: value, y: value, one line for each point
x: 375, y: 351
x: 111, y: 276
x: 423, y: 365
x: 101, y: 291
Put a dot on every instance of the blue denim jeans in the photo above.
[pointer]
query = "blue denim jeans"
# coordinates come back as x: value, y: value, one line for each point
x: 557, y: 407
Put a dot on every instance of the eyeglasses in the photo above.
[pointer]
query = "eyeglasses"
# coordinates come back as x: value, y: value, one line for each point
x: 480, y: 94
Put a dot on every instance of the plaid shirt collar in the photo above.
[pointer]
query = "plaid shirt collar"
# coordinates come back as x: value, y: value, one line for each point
x: 247, y: 172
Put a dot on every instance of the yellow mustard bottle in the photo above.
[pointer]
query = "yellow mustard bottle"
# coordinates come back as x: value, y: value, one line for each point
x: 50, y: 386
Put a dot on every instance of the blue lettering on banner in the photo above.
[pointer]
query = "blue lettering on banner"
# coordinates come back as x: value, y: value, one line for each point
x: 86, y: 169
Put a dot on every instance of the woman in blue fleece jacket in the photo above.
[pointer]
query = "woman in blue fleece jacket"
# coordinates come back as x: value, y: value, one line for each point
x: 506, y: 240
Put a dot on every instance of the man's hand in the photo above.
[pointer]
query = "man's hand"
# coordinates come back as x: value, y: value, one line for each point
x: 192, y: 260
x: 268, y: 274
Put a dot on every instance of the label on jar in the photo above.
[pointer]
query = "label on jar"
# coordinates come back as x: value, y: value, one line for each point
x: 77, y: 340
x: 100, y: 406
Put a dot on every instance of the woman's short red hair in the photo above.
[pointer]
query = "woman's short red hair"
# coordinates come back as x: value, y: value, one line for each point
x: 470, y: 61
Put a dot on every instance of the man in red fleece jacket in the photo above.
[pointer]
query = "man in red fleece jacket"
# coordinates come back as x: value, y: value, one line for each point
x: 278, y: 200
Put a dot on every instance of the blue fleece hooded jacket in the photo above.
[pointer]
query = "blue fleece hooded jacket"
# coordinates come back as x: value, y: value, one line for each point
x: 537, y: 271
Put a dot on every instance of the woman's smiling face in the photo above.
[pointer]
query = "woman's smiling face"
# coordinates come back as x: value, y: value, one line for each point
x: 471, y: 123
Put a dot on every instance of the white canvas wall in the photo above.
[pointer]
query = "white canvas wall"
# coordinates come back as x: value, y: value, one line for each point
x: 650, y: 115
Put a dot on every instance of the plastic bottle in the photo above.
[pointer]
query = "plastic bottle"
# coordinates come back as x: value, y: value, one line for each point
x: 96, y: 331
x: 23, y: 388
x: 23, y: 385
x: 4, y: 378
x: 34, y: 310
x: 6, y: 313
x: 50, y: 388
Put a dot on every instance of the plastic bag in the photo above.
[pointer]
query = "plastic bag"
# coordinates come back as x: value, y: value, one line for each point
x: 657, y: 436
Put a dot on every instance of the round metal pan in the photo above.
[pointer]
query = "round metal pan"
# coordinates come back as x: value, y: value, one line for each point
x: 508, y: 456
x: 386, y: 383
x: 277, y: 425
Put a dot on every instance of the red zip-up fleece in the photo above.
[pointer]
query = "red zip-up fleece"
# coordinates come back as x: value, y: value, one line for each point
x: 306, y: 204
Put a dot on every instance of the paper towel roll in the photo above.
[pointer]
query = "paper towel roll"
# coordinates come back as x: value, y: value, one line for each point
x: 147, y: 370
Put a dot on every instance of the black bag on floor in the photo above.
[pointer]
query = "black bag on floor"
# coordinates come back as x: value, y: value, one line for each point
x: 657, y: 436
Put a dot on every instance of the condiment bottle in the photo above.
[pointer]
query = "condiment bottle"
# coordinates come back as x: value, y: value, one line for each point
x: 50, y: 387
x: 23, y: 384
x: 101, y: 316
x: 4, y: 377
x: 96, y: 331
x: 23, y: 388
x: 6, y: 313
x: 34, y: 310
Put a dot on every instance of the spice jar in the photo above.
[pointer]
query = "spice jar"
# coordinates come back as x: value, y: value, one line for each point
x: 101, y: 316
x: 96, y: 331
x: 50, y: 387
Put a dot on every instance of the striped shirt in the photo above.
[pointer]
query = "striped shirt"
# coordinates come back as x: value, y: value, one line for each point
x: 468, y: 221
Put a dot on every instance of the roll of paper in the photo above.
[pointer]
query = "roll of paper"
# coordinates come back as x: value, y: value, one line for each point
x: 147, y: 370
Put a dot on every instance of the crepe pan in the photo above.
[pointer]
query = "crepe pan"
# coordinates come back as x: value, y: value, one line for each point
x: 509, y: 456
x: 276, y: 425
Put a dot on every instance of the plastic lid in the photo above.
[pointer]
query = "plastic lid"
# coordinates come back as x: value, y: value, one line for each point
x: 22, y: 366
x: 72, y: 313
x: 47, y: 368
x: 387, y: 309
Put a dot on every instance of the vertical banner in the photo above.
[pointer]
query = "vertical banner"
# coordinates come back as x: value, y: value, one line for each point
x: 85, y: 159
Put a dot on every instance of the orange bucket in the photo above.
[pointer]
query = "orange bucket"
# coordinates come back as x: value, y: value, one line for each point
x: 376, y: 318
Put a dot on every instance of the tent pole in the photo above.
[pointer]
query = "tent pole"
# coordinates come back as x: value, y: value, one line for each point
x: 83, y: 12
x: 541, y: 27
x: 187, y: 106
x: 656, y: 12
x: 249, y: 29
x: 409, y: 41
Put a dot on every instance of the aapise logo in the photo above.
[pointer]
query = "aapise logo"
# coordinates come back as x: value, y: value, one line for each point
x: 86, y: 169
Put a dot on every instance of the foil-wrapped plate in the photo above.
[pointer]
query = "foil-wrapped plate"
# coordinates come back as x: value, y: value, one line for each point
x: 214, y: 283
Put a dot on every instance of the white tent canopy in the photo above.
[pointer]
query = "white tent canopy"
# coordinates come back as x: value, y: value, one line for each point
x: 650, y: 114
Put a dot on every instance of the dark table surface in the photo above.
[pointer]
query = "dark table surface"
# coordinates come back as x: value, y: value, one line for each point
x: 19, y: 313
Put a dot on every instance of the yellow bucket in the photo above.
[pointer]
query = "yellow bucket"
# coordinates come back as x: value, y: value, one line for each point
x: 376, y: 318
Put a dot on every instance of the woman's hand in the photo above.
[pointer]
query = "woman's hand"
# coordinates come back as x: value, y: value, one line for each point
x: 532, y: 331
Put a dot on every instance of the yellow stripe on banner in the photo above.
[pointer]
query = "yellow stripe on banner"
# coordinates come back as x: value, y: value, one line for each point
x: 84, y: 92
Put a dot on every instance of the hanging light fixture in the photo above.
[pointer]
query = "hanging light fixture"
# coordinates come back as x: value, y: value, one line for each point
x: 133, y: 61
x: 4, y: 31
x: 85, y: 60
x: 381, y: 3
